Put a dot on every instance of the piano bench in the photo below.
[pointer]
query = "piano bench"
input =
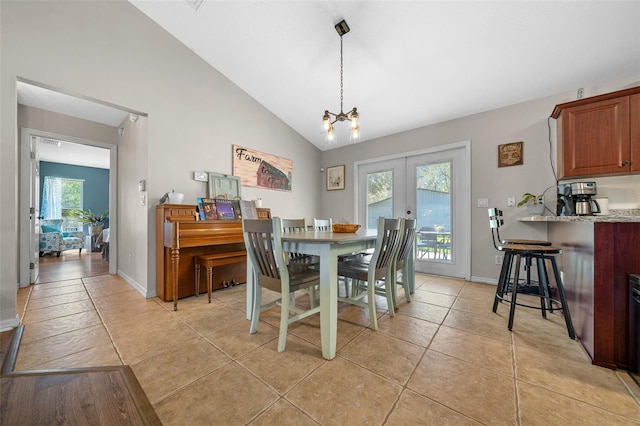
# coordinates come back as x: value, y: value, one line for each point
x: 215, y: 259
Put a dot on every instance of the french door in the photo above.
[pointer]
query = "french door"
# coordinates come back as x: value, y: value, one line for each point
x: 431, y: 186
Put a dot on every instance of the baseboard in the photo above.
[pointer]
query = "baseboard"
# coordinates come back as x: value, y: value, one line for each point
x: 9, y: 324
x: 146, y: 293
x: 484, y: 280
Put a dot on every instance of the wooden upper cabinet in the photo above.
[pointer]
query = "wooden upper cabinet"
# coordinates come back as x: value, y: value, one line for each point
x: 634, y: 112
x: 599, y: 135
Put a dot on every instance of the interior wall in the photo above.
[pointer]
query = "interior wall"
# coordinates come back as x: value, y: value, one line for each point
x: 109, y: 50
x: 133, y: 206
x: 525, y: 122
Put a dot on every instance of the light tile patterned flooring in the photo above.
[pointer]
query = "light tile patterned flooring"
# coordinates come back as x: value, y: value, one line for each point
x: 445, y: 358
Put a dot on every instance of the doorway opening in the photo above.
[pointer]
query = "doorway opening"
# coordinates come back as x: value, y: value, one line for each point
x: 32, y: 243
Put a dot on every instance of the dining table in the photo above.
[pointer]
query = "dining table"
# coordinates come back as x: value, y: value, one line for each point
x: 328, y: 246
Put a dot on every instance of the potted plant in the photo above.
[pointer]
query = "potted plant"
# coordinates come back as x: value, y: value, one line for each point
x: 535, y: 203
x: 95, y: 222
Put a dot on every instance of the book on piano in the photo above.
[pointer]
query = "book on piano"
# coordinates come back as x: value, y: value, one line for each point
x: 208, y: 208
x: 225, y: 209
x: 248, y: 209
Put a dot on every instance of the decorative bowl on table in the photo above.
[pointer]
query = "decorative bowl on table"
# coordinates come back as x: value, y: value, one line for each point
x: 345, y: 227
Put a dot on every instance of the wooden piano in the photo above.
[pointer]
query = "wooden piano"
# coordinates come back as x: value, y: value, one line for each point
x: 179, y: 238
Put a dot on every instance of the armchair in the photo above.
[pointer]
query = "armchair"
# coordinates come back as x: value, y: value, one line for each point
x: 53, y: 239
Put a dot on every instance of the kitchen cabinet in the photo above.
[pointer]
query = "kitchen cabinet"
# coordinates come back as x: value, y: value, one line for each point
x: 597, y: 258
x: 600, y: 135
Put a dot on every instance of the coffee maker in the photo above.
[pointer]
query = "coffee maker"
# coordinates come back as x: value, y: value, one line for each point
x: 575, y: 199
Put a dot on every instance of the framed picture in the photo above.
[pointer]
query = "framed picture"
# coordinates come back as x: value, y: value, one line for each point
x: 335, y: 178
x: 224, y: 186
x: 510, y: 154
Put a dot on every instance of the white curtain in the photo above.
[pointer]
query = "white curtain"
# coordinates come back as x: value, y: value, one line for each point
x: 51, y: 207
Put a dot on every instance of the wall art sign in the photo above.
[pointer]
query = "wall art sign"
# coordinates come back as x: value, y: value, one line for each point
x: 335, y: 178
x: 510, y: 154
x: 259, y: 170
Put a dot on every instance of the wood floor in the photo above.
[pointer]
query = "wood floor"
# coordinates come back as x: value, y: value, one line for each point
x: 71, y: 265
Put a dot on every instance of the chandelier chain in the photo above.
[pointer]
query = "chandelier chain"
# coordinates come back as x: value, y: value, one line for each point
x: 341, y: 71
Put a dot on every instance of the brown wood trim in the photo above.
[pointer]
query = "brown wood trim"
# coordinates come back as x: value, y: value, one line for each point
x: 9, y: 361
x: 585, y: 101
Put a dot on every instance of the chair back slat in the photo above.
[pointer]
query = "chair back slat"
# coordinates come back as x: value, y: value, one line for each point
x: 294, y: 225
x: 261, y: 243
x: 389, y: 235
x: 322, y: 224
x: 408, y: 239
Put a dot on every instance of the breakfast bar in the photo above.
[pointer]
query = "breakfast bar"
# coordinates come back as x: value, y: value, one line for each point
x: 599, y: 254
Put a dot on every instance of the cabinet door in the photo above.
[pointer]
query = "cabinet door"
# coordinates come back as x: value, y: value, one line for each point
x: 595, y: 138
x: 634, y: 111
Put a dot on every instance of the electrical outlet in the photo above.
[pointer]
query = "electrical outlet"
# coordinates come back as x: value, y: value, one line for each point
x: 483, y: 202
x: 498, y: 259
x: 511, y: 201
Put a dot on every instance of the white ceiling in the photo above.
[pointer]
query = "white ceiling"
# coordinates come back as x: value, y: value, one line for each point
x: 407, y: 64
x: 69, y: 152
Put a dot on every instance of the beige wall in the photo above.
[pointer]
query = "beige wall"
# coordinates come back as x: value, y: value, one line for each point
x: 525, y: 122
x: 108, y: 50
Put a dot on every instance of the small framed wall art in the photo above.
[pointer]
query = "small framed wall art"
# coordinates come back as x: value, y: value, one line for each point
x: 510, y: 154
x: 335, y: 178
x: 224, y: 186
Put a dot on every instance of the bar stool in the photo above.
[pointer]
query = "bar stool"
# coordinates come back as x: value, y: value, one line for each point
x: 507, y: 289
x: 495, y: 213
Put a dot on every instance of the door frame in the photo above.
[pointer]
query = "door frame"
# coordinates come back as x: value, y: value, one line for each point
x: 24, y: 205
x: 464, y: 210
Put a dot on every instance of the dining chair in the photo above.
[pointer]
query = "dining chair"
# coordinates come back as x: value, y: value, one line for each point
x: 427, y: 242
x: 402, y: 261
x: 263, y: 242
x: 301, y: 260
x: 322, y: 224
x: 371, y: 269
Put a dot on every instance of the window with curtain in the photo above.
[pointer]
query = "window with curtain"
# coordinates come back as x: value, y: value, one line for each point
x: 61, y: 198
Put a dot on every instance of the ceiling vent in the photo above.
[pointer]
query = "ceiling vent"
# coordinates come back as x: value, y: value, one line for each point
x: 195, y: 4
x: 53, y: 142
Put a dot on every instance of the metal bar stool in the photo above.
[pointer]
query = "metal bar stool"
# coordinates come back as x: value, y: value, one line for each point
x: 507, y: 289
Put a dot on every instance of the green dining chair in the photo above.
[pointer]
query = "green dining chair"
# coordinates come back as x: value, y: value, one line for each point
x: 263, y: 241
x: 367, y: 272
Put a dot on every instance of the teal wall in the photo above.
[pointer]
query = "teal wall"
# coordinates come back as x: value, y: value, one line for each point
x: 96, y: 183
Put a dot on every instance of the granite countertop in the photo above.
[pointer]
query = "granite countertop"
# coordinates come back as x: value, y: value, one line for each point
x: 629, y: 215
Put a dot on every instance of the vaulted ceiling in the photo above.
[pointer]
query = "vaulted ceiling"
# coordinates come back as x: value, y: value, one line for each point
x: 407, y: 64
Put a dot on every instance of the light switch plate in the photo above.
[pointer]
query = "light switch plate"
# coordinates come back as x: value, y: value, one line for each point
x: 200, y: 176
x: 511, y: 201
x: 483, y: 202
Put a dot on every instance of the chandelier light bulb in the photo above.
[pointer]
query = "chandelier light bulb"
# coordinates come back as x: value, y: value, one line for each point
x: 326, y: 121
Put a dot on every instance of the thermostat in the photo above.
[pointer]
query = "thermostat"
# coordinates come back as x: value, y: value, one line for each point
x: 200, y: 176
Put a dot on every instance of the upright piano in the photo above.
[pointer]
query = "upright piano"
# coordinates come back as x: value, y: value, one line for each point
x: 180, y: 237
x: 179, y: 233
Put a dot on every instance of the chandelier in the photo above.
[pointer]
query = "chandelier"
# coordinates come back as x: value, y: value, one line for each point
x: 329, y: 118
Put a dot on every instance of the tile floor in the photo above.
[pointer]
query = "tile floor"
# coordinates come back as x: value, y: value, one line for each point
x: 445, y: 358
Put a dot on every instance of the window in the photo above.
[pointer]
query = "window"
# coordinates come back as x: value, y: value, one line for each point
x: 61, y: 198
x: 71, y: 202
